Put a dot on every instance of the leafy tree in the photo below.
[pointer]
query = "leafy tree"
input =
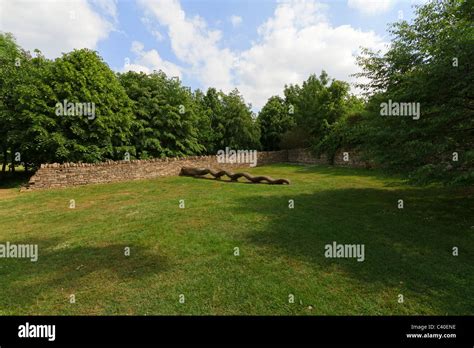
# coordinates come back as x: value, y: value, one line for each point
x: 429, y: 62
x: 239, y: 128
x: 274, y: 120
x: 316, y: 107
x: 212, y: 107
x: 206, y: 136
x: 231, y: 120
x: 295, y: 138
x: 346, y: 132
x: 312, y: 115
x: 319, y: 104
x: 166, y: 119
x: 81, y: 76
x: 41, y: 134
x: 14, y: 70
x: 33, y: 120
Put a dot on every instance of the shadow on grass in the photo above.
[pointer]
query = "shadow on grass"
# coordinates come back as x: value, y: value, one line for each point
x: 63, y: 267
x: 408, y: 249
x: 14, y: 180
x: 336, y: 171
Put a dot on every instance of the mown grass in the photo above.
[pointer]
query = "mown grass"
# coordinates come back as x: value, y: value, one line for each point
x: 190, y: 251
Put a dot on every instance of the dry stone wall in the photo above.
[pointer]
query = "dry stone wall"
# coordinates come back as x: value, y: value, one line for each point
x: 346, y: 158
x: 57, y: 175
x: 304, y: 156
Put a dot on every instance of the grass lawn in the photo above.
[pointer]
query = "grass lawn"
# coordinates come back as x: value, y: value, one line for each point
x: 190, y: 251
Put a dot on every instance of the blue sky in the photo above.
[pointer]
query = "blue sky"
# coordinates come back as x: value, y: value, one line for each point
x: 257, y: 46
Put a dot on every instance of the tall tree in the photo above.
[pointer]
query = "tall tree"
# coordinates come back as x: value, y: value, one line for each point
x: 82, y: 77
x: 429, y: 62
x: 231, y: 120
x: 212, y: 103
x: 204, y: 127
x: 239, y: 127
x: 274, y: 119
x: 320, y: 103
x: 165, y: 112
x: 93, y: 123
x: 14, y: 70
x: 316, y: 107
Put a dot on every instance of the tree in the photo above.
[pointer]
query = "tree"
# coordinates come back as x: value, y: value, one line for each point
x: 320, y: 103
x: 206, y: 136
x: 81, y: 77
x: 164, y: 110
x: 14, y: 70
x: 34, y: 89
x: 33, y: 117
x: 238, y: 126
x: 232, y: 122
x: 312, y: 115
x: 346, y: 132
x: 274, y: 120
x: 212, y: 108
x: 41, y: 134
x: 429, y: 62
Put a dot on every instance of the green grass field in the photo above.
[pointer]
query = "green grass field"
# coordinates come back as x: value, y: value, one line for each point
x: 190, y: 251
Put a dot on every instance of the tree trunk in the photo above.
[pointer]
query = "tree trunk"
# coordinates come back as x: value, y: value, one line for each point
x: 13, y: 161
x: 4, y: 166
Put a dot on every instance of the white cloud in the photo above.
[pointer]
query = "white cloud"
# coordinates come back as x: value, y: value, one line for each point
x: 296, y: 41
x: 56, y: 26
x: 371, y: 7
x: 108, y: 7
x: 148, y: 61
x: 194, y: 43
x: 152, y: 28
x: 157, y: 35
x: 235, y: 20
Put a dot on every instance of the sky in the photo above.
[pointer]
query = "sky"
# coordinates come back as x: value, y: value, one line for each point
x: 257, y: 46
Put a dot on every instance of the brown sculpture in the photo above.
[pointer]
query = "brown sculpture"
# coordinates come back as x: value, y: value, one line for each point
x: 197, y: 172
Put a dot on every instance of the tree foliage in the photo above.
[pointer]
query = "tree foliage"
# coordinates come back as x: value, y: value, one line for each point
x: 308, y: 115
x: 81, y: 76
x: 164, y: 114
x: 275, y: 120
x: 231, y: 120
x: 15, y: 75
x: 429, y: 62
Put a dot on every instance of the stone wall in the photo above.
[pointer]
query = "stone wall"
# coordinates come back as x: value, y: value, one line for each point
x: 354, y: 160
x: 305, y: 156
x: 74, y: 174
x: 57, y: 175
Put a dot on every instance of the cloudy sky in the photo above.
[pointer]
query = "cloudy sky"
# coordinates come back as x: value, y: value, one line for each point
x: 257, y: 46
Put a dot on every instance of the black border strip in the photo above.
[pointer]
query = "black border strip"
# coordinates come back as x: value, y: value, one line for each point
x: 195, y: 330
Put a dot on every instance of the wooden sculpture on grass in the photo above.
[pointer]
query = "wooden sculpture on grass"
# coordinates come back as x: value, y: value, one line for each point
x: 199, y: 172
